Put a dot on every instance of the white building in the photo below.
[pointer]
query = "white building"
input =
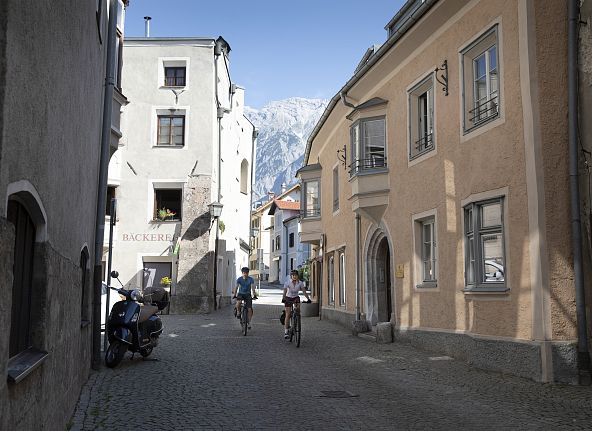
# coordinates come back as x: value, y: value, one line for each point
x: 187, y: 145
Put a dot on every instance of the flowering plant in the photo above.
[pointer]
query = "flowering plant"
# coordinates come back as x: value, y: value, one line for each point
x: 166, y: 280
x: 165, y: 213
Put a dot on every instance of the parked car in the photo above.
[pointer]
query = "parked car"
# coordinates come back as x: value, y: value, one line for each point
x: 494, y: 272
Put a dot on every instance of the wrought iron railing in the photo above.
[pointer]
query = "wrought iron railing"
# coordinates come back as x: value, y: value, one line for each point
x: 310, y: 212
x: 484, y: 111
x: 375, y: 162
x: 423, y: 145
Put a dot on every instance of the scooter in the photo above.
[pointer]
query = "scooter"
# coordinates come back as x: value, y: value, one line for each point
x: 132, y: 326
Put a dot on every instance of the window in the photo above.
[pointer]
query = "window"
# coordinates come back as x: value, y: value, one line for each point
x: 484, y: 245
x: 110, y: 195
x: 84, y: 314
x: 368, y: 143
x: 428, y: 250
x: 331, y: 280
x: 22, y: 283
x: 421, y: 118
x: 174, y: 77
x: 119, y: 43
x: 277, y: 243
x: 335, y: 188
x: 167, y: 204
x: 480, y: 67
x: 291, y: 239
x: 171, y: 130
x: 342, y: 278
x: 244, y: 178
x: 272, y: 244
x: 312, y: 202
x: 291, y: 263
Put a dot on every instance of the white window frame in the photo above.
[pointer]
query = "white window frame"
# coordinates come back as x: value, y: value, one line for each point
x: 160, y: 185
x: 491, y: 103
x: 331, y: 280
x: 419, y: 222
x: 362, y: 158
x: 421, y: 133
x: 172, y: 62
x: 342, y: 267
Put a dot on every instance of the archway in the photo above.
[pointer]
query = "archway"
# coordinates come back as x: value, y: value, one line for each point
x: 379, y: 284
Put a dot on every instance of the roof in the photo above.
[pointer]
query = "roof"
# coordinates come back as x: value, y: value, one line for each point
x: 284, y: 205
x: 279, y: 197
x: 407, y: 21
x: 375, y: 101
x: 305, y: 168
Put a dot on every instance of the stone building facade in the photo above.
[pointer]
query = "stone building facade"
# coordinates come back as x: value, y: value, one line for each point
x: 52, y: 89
x: 450, y: 216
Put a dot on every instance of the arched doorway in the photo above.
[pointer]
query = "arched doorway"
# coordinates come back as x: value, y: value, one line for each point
x: 379, y: 285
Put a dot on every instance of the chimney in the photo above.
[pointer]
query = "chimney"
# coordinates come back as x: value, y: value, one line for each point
x: 283, y: 187
x: 147, y: 26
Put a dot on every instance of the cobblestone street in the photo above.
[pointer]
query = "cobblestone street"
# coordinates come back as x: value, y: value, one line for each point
x: 207, y: 376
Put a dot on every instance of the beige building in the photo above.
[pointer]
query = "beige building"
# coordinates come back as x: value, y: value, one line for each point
x: 436, y: 188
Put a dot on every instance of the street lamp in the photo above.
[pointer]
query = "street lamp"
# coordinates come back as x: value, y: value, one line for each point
x: 215, y: 213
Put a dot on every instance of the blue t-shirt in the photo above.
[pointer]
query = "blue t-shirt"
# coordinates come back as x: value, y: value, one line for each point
x: 245, y: 285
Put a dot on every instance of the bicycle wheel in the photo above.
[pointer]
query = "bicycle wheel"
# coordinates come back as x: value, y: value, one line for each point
x: 297, y: 328
x: 244, y: 320
x: 292, y: 325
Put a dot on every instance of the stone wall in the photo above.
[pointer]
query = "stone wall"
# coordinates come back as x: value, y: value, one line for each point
x: 195, y: 270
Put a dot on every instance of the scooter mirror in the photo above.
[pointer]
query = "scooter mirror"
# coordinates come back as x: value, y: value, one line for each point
x: 114, y: 274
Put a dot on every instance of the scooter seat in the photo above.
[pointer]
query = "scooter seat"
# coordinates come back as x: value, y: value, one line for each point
x: 146, y: 311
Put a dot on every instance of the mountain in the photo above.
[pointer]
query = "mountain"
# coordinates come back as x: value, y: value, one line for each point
x: 284, y: 126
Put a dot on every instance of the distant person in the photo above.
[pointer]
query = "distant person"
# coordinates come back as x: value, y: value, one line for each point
x: 245, y: 285
x: 291, y: 296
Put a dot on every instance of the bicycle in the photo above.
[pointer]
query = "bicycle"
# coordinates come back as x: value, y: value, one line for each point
x: 243, y: 314
x: 295, y: 323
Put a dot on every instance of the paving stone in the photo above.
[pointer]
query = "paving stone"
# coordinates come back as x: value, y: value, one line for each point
x: 209, y: 376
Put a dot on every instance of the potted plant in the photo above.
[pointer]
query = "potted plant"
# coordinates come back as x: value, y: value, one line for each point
x: 164, y: 214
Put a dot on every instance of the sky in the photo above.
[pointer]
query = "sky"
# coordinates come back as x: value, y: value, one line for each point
x: 279, y: 48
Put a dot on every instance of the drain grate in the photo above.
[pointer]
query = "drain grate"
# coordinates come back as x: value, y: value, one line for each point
x: 337, y: 394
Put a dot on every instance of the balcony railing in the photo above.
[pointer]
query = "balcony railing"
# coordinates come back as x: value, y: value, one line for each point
x: 374, y: 162
x: 484, y: 111
x: 422, y: 146
x: 310, y: 212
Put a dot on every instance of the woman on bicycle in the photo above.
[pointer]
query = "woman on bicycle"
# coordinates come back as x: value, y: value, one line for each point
x: 292, y: 288
x: 242, y: 291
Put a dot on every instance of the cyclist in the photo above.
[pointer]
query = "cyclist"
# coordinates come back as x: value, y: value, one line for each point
x: 242, y: 291
x: 291, y: 289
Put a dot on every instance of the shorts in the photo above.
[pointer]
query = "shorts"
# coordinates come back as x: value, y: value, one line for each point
x: 290, y: 301
x: 247, y: 298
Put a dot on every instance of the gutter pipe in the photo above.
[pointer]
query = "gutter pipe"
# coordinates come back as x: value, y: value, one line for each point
x: 576, y: 229
x: 102, y: 187
x: 412, y: 19
x: 358, y: 290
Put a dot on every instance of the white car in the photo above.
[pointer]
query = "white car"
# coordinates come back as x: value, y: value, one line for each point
x: 113, y: 298
x: 494, y: 272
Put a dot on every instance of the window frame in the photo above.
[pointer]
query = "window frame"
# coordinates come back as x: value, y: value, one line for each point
x: 315, y: 210
x: 424, y: 90
x: 341, y: 266
x: 481, y: 45
x: 291, y: 241
x: 176, y: 84
x: 331, y: 280
x: 171, y: 136
x: 474, y: 259
x: 178, y: 216
x: 359, y: 147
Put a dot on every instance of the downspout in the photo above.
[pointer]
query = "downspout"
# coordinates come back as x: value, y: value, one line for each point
x: 573, y: 11
x: 102, y: 186
x: 358, y: 222
x: 253, y: 139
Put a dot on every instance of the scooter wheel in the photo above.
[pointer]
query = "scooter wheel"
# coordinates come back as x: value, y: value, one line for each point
x: 146, y: 352
x: 115, y: 353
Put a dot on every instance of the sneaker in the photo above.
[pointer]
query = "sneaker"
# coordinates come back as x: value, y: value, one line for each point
x: 249, y: 325
x: 286, y: 335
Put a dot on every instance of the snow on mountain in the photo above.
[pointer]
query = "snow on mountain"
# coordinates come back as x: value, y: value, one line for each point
x: 284, y: 126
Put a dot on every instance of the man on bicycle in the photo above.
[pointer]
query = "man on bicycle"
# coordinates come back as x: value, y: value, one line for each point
x: 292, y: 288
x: 245, y: 285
